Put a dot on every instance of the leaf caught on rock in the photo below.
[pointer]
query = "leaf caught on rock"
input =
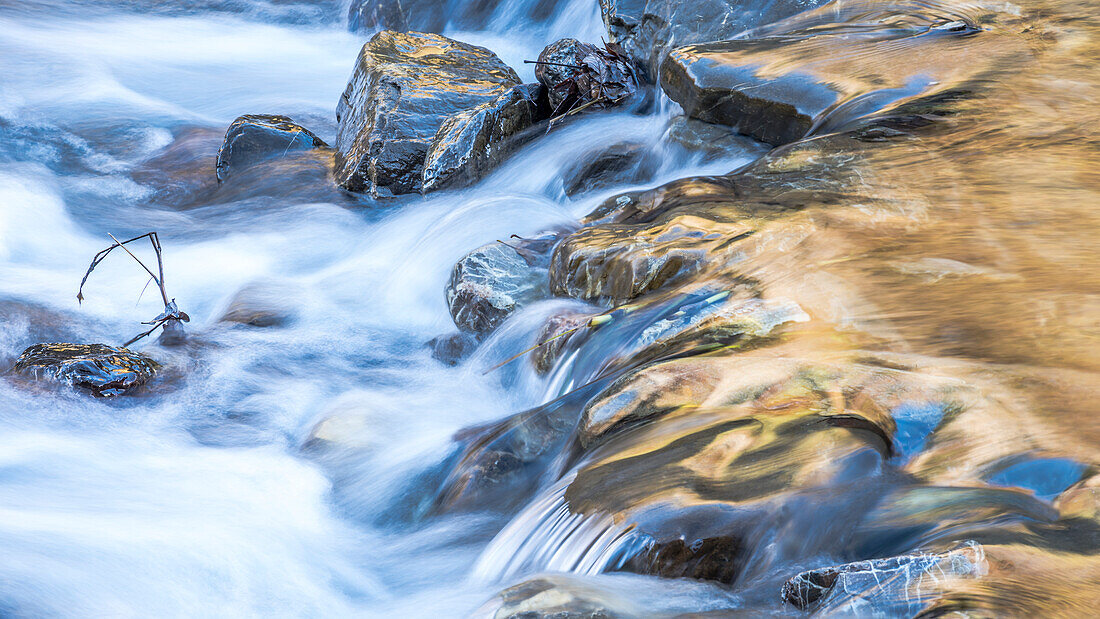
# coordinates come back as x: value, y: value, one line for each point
x: 581, y: 75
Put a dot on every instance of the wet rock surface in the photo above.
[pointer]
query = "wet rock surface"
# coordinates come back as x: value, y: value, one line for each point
x: 779, y: 87
x: 493, y: 281
x: 256, y: 137
x: 618, y: 262
x: 471, y: 143
x: 435, y: 15
x: 405, y: 86
x: 399, y: 15
x: 103, y: 370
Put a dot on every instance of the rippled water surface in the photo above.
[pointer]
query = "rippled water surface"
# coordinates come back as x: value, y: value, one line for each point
x: 217, y: 493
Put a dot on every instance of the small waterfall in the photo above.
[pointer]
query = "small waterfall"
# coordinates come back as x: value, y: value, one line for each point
x: 548, y: 537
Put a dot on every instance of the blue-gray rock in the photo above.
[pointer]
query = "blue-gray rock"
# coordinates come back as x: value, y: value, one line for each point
x: 490, y: 283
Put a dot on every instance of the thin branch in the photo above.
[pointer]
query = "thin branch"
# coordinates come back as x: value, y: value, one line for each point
x: 539, y: 345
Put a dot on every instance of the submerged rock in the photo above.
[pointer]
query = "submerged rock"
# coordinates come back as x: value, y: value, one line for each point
x: 493, y: 281
x: 256, y: 137
x: 557, y: 597
x: 452, y: 348
x: 710, y: 141
x: 648, y: 29
x: 263, y: 304
x: 472, y: 142
x: 103, y: 370
x: 559, y: 330
x: 405, y: 86
x: 625, y: 162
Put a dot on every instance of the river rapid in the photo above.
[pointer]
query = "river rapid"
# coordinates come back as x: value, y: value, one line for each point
x: 295, y: 470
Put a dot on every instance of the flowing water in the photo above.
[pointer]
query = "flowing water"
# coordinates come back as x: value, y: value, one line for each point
x: 209, y: 495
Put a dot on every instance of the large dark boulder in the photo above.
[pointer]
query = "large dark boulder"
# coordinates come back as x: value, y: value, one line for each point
x: 472, y: 142
x: 714, y: 85
x: 648, y: 29
x: 815, y: 76
x: 258, y: 137
x: 405, y: 86
x: 103, y: 370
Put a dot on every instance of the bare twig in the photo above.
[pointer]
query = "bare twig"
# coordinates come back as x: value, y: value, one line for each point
x: 539, y: 345
x: 171, y: 314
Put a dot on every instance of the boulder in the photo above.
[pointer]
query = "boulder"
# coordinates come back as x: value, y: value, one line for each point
x: 648, y: 29
x: 103, y: 370
x: 257, y: 137
x: 490, y: 283
x: 472, y: 142
x: 405, y: 86
x: 777, y: 88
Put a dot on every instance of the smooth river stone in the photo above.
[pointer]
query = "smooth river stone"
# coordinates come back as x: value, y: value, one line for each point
x: 257, y: 137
